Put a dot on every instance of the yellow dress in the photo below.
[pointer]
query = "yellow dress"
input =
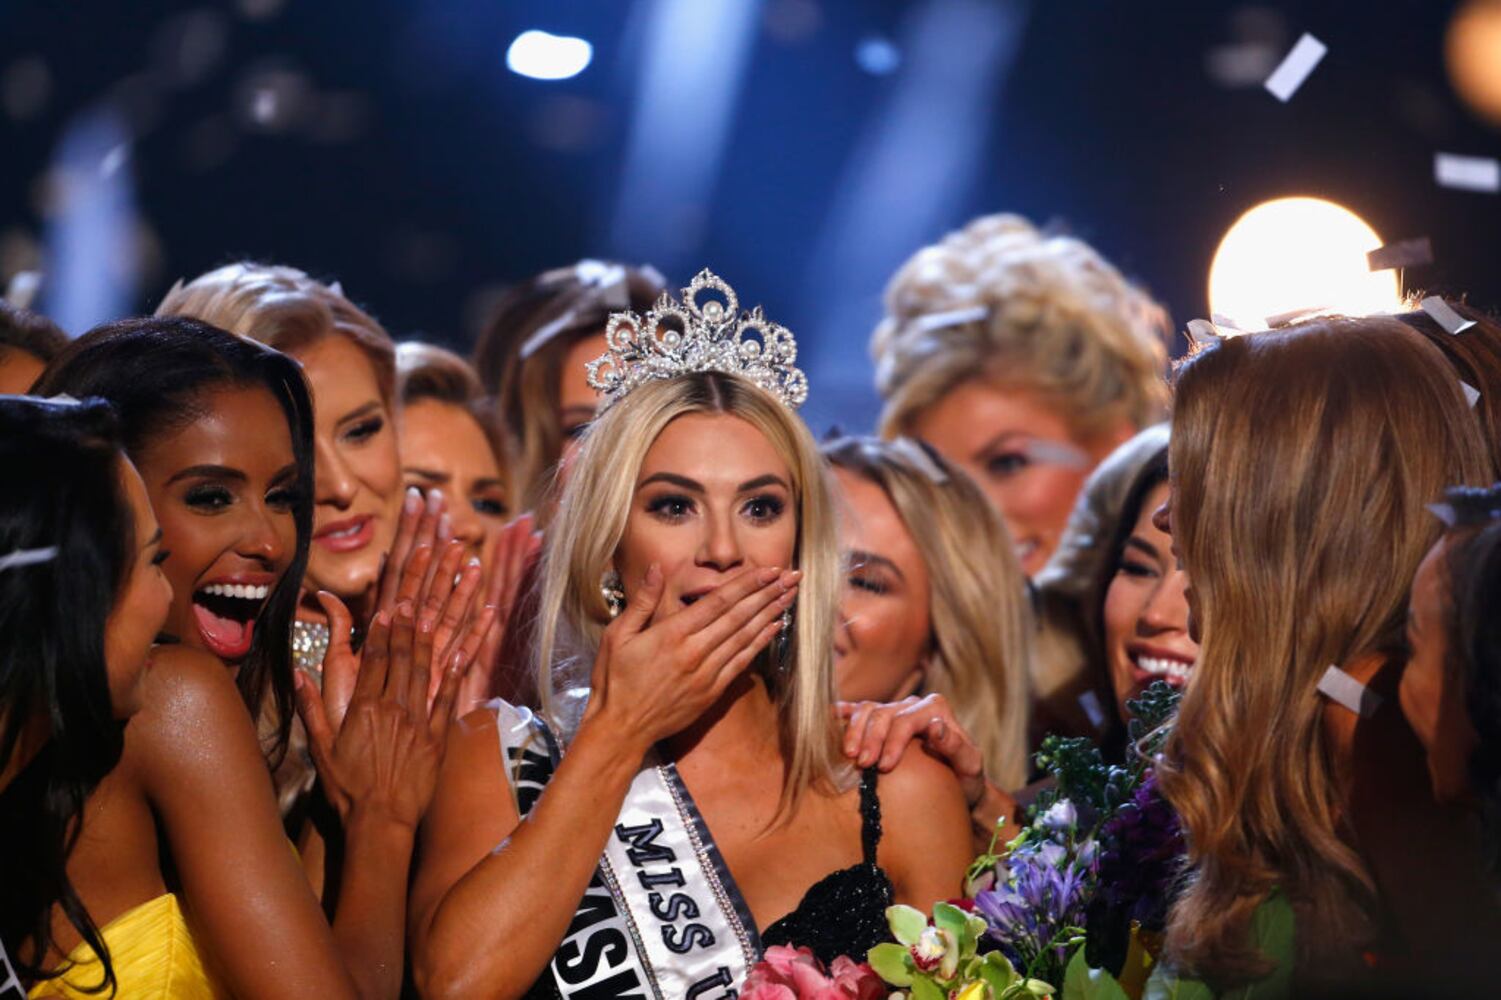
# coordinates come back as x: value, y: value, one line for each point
x: 154, y: 957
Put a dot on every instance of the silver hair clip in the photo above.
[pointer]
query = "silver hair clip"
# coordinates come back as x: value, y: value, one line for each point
x: 954, y: 317
x: 27, y: 557
x: 917, y: 457
x: 1444, y: 315
x: 1338, y: 686
x: 609, y: 290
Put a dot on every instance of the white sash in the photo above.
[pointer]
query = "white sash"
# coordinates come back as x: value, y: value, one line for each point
x: 662, y: 917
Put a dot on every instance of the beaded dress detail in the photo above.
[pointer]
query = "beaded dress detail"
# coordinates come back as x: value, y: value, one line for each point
x: 844, y: 913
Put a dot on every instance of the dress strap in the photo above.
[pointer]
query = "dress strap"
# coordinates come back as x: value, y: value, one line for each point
x: 870, y: 814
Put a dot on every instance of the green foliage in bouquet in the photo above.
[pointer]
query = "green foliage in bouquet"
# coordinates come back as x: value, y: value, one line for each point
x: 1082, y: 776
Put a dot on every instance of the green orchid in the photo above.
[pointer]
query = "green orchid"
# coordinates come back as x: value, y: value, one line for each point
x: 940, y: 960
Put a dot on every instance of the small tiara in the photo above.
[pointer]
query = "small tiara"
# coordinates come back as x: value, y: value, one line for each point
x: 714, y: 337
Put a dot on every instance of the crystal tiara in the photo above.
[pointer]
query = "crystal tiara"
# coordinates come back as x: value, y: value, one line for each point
x: 707, y: 337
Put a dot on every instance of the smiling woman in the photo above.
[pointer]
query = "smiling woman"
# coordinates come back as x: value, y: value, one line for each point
x: 234, y: 507
x: 348, y: 360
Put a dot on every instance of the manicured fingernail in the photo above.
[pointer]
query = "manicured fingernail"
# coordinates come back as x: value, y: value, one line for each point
x: 786, y: 599
x: 767, y: 575
x: 434, y: 501
x: 445, y: 527
x: 413, y: 501
x: 790, y: 577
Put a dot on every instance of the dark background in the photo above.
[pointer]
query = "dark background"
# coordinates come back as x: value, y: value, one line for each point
x: 398, y: 154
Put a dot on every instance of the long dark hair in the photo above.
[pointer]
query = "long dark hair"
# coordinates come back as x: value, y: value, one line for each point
x: 1474, y: 633
x: 156, y: 373
x: 61, y: 463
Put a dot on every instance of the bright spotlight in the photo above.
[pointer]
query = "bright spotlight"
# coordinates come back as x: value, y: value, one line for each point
x: 544, y: 56
x: 1296, y: 255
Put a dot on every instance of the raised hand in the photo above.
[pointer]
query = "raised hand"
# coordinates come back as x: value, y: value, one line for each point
x: 383, y: 757
x: 422, y: 523
x: 655, y: 679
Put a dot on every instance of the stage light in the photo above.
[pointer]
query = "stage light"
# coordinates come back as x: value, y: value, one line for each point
x: 544, y: 56
x: 1472, y: 50
x: 878, y: 56
x: 1297, y: 255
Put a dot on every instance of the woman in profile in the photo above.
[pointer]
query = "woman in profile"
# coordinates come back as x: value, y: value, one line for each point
x: 691, y: 581
x: 82, y: 597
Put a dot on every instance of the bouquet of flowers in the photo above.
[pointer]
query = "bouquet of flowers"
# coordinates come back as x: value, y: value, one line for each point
x: 1064, y: 909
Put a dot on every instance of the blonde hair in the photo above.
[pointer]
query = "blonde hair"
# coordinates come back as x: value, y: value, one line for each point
x: 591, y: 521
x: 283, y: 308
x: 1047, y: 314
x: 981, y: 614
x: 426, y: 371
x: 1301, y: 461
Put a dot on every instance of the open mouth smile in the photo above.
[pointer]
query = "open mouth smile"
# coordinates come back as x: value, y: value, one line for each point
x: 225, y: 613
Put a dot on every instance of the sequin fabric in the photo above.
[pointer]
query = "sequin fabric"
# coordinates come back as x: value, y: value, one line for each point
x: 309, y: 645
x: 844, y: 913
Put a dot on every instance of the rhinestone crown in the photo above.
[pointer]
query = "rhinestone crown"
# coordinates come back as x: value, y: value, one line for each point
x: 675, y: 339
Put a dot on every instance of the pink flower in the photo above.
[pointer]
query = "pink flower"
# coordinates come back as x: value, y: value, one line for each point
x: 786, y: 973
x: 857, y: 979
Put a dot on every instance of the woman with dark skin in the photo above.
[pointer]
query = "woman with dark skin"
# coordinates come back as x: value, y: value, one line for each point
x: 82, y: 597
x: 192, y: 781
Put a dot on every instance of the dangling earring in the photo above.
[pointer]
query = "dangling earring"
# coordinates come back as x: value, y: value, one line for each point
x: 782, y: 646
x: 613, y: 593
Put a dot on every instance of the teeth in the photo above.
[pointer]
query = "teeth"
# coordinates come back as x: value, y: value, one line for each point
x: 245, y: 592
x: 1174, y: 670
x: 346, y: 532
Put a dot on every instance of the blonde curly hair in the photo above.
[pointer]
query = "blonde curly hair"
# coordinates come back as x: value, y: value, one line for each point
x: 1046, y: 313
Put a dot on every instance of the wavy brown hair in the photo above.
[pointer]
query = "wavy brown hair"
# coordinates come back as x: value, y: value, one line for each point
x: 1301, y: 461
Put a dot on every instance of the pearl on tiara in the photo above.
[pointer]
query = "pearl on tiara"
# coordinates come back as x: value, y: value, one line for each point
x: 675, y: 339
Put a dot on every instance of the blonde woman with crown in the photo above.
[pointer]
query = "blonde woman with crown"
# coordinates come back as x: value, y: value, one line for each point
x: 650, y: 833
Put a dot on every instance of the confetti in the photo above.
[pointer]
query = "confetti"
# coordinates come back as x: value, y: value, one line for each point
x: 21, y: 291
x: 1472, y: 394
x: 1340, y: 687
x: 1203, y: 333
x: 1467, y: 173
x: 1444, y: 315
x: 1404, y: 253
x: 1292, y: 315
x: 1294, y: 69
x: 114, y: 160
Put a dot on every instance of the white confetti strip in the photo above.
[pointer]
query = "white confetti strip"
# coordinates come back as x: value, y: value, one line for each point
x: 1444, y: 315
x: 1467, y: 173
x: 1295, y: 67
x: 1472, y: 394
x: 1339, y: 686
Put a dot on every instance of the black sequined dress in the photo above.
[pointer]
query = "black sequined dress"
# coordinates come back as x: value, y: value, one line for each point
x: 844, y: 913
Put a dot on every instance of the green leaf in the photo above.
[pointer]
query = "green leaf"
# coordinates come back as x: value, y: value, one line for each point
x: 907, y: 923
x: 1038, y: 988
x: 1080, y: 982
x: 926, y: 989
x: 892, y: 963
